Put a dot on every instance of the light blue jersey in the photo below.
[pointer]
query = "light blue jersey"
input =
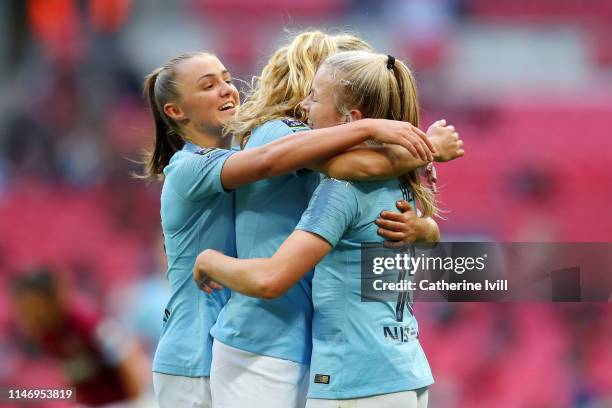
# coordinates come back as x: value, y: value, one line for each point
x: 197, y: 213
x: 355, y: 352
x: 266, y: 214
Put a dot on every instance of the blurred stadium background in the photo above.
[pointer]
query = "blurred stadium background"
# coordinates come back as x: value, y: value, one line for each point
x: 528, y: 83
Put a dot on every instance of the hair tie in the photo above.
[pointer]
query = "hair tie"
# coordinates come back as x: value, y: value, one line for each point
x: 390, y: 62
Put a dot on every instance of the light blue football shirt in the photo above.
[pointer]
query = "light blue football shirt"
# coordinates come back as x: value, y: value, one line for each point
x: 197, y: 214
x: 266, y: 214
x: 355, y: 352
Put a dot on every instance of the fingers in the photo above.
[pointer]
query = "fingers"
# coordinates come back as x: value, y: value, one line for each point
x: 427, y: 148
x: 425, y: 145
x: 205, y: 283
x: 390, y: 235
x: 392, y: 216
x: 409, y: 146
x: 403, y: 206
x: 418, y: 131
x: 420, y: 149
x: 203, y: 286
x: 430, y: 147
x: 208, y: 285
x: 414, y: 150
x: 215, y: 285
x: 393, y: 226
x: 414, y: 146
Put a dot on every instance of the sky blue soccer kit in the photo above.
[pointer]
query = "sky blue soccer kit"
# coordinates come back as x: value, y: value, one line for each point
x: 356, y: 350
x: 267, y: 211
x: 197, y: 214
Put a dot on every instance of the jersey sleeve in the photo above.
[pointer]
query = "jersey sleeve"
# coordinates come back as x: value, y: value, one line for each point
x: 275, y: 130
x: 332, y: 210
x: 199, y: 174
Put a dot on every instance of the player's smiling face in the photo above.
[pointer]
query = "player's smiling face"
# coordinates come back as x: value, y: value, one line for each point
x: 320, y: 105
x: 208, y: 96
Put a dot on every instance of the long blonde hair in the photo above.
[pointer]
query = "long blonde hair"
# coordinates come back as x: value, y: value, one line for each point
x: 286, y: 80
x: 380, y: 87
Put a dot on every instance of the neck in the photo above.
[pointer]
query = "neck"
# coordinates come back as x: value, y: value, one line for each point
x: 209, y: 140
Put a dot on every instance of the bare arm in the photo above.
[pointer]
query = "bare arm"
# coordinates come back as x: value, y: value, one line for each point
x: 389, y: 161
x: 370, y: 163
x: 302, y: 149
x: 266, y: 278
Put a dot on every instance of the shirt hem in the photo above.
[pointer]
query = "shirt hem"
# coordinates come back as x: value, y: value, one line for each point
x: 252, y: 348
x: 370, y: 392
x: 171, y: 369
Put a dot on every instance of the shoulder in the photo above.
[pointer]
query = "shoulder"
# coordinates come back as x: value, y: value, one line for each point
x: 342, y: 186
x: 185, y: 161
x: 275, y: 129
x: 342, y: 193
x: 202, y: 155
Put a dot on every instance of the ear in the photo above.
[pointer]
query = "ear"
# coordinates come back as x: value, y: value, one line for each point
x: 355, y: 114
x: 174, y: 112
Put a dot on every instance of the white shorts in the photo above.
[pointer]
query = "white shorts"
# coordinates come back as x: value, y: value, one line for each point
x: 241, y: 379
x: 174, y: 391
x: 405, y: 399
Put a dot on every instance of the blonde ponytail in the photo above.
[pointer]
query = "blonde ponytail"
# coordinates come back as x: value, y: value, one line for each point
x: 381, y: 87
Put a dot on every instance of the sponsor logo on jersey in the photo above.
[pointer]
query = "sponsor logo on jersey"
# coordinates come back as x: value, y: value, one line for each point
x: 295, y: 124
x: 322, y: 378
x: 402, y: 334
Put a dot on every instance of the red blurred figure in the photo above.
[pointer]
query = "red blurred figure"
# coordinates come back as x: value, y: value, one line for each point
x: 98, y: 359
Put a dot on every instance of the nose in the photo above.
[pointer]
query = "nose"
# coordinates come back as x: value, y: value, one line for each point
x: 226, y: 89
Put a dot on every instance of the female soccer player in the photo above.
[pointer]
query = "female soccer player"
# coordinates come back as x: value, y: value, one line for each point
x: 191, y: 98
x: 353, y: 364
x: 262, y: 348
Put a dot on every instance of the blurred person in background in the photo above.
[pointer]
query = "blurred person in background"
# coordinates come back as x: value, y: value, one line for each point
x: 191, y: 98
x: 105, y: 364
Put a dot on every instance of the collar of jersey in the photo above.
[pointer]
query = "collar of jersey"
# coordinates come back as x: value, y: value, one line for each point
x: 191, y: 147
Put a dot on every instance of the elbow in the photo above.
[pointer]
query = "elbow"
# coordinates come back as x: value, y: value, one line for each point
x: 269, y: 164
x: 374, y: 172
x: 268, y: 290
x: 356, y: 172
x: 268, y: 287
